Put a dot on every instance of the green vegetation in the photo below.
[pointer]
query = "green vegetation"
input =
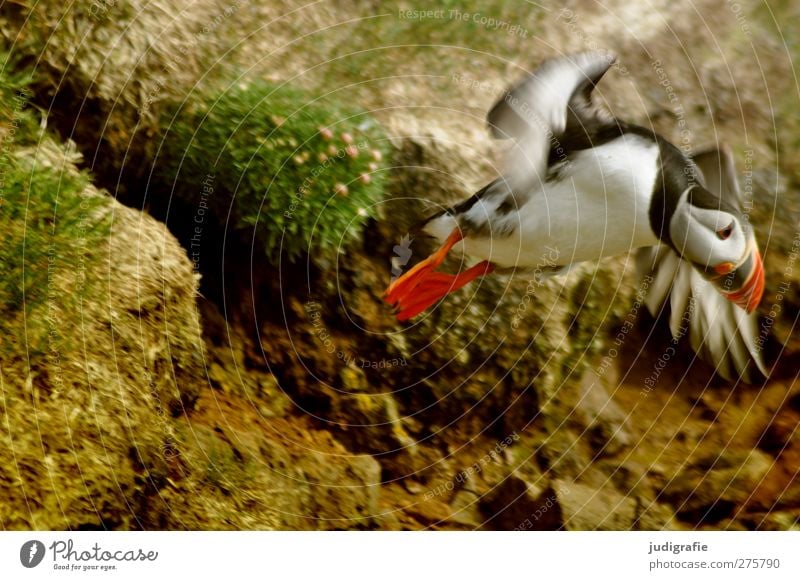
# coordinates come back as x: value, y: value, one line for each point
x: 52, y: 220
x: 304, y: 174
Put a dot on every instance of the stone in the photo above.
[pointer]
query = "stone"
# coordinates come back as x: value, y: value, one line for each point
x: 515, y: 504
x: 712, y: 490
x: 465, y: 505
x: 371, y: 422
x: 429, y: 512
x: 604, y: 418
x: 344, y: 493
x: 585, y: 507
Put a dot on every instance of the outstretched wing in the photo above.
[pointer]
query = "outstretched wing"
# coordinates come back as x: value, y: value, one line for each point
x: 721, y: 333
x: 538, y: 110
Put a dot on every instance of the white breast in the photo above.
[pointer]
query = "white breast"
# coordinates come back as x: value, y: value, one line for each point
x: 598, y: 207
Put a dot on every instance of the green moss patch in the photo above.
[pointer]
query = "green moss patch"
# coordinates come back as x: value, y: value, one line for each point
x: 52, y: 221
x: 301, y: 175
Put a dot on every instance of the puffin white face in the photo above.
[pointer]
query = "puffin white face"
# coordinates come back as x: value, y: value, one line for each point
x: 713, y: 238
x: 712, y: 235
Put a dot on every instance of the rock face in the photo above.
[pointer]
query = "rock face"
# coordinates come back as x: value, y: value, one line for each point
x: 297, y: 402
x: 236, y: 469
x: 114, y: 426
x: 90, y: 417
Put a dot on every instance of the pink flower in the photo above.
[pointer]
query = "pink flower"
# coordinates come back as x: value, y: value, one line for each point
x: 341, y: 189
x: 347, y: 138
x: 326, y: 133
x: 376, y: 155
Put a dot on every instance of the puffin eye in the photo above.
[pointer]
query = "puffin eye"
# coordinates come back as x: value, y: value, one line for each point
x: 726, y: 232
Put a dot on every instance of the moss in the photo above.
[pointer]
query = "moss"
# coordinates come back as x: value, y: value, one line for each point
x: 299, y: 174
x: 223, y: 468
x: 52, y: 222
x: 98, y: 334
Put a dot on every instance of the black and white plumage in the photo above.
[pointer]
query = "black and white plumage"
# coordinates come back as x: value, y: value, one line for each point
x: 581, y: 185
x: 721, y: 331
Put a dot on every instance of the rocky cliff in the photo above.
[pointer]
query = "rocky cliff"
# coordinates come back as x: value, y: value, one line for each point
x: 237, y: 391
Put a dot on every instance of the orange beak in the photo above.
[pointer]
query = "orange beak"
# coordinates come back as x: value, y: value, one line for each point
x: 749, y: 294
x: 725, y: 268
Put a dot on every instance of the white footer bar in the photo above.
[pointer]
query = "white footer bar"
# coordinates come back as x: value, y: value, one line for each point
x: 400, y: 555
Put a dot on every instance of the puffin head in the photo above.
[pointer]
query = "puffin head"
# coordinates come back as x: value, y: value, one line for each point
x: 720, y: 242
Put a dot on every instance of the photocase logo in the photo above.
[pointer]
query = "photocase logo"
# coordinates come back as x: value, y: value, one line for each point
x: 31, y: 553
x: 402, y: 254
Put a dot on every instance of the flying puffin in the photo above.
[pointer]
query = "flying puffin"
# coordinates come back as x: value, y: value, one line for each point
x: 581, y: 184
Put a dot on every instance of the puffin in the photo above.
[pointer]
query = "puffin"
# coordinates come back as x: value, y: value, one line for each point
x: 580, y: 184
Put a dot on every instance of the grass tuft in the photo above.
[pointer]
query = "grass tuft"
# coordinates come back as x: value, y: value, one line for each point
x: 301, y: 175
x: 52, y: 220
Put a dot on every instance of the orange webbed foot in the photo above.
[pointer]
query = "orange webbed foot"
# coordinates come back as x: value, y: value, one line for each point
x: 422, y: 286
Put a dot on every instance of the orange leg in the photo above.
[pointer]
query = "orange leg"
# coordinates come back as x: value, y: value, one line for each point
x: 423, y: 286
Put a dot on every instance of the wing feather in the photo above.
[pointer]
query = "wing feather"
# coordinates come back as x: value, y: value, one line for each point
x: 539, y: 108
x: 721, y: 333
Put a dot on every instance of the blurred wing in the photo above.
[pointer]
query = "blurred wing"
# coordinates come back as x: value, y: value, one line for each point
x: 719, y: 174
x: 721, y: 333
x: 539, y: 109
